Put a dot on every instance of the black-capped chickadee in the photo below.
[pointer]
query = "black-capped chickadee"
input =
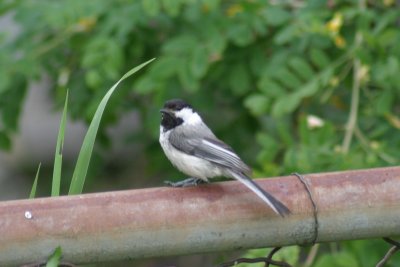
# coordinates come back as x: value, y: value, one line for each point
x: 193, y: 148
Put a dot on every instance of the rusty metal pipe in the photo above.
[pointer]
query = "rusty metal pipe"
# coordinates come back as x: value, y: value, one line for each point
x: 218, y: 217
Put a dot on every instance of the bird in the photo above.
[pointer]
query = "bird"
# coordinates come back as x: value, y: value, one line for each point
x: 194, y: 149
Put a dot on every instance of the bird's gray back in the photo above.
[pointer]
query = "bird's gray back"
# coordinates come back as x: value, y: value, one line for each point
x: 199, y: 141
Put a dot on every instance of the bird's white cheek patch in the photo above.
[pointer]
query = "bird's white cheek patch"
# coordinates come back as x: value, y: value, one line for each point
x: 188, y: 116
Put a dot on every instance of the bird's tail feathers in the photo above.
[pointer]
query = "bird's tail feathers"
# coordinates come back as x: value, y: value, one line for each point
x: 275, y: 204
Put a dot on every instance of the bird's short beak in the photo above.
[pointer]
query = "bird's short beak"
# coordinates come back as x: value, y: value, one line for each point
x: 166, y: 111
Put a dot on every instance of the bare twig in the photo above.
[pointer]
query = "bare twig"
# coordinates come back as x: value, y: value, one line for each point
x: 355, y: 97
x: 391, y: 251
x: 311, y: 256
x: 389, y: 254
x: 267, y: 260
x: 366, y: 144
x: 255, y: 260
x: 355, y: 92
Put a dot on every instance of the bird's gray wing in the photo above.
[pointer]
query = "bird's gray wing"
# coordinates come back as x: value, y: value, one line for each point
x: 202, y: 143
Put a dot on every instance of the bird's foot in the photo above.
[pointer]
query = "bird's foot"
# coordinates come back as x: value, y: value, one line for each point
x: 186, y: 183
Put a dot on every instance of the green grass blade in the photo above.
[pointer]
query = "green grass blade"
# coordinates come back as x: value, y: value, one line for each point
x: 55, y: 187
x: 34, y: 186
x: 55, y: 258
x: 82, y: 164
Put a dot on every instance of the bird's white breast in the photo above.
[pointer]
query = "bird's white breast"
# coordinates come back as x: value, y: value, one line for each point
x: 190, y: 165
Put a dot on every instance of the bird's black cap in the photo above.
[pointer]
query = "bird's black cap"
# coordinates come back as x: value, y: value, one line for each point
x: 176, y: 104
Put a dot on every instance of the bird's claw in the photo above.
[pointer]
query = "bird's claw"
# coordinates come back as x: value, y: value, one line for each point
x: 185, y: 183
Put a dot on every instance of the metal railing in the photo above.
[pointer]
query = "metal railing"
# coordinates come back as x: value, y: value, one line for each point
x: 217, y: 217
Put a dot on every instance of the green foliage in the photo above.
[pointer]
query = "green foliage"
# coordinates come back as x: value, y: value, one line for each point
x: 55, y: 258
x: 83, y: 161
x: 376, y: 249
x: 82, y: 164
x: 5, y: 142
x: 34, y: 186
x: 339, y: 259
x: 11, y: 99
x: 267, y: 65
x: 273, y: 79
x: 56, y: 181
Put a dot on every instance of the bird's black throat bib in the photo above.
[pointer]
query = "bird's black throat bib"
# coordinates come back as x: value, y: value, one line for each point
x: 169, y: 121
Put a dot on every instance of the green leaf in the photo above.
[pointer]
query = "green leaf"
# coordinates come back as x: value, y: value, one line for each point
x: 285, y: 105
x: 257, y: 104
x: 55, y: 187
x: 186, y: 78
x: 5, y: 141
x: 285, y: 133
x: 215, y: 41
x: 34, y: 186
x: 179, y: 45
x: 308, y: 89
x: 172, y: 7
x: 93, y: 78
x: 151, y: 7
x: 270, y: 88
x: 285, y: 35
x: 82, y: 164
x: 301, y: 67
x: 276, y: 16
x: 11, y: 103
x: 388, y: 37
x: 97, y: 51
x: 240, y: 34
x: 384, y: 102
x: 239, y: 80
x: 340, y: 259
x: 319, y: 58
x: 165, y: 67
x: 145, y: 85
x: 303, y: 131
x: 287, y: 78
x: 199, y: 62
x: 383, y: 23
x: 269, y: 145
x: 258, y: 26
x: 326, y: 76
x: 54, y: 259
x: 4, y: 81
x: 211, y: 4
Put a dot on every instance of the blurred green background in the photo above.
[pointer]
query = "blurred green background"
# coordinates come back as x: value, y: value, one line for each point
x: 305, y: 86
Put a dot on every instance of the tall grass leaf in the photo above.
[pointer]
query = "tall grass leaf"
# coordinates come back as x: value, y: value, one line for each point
x: 55, y: 187
x: 34, y: 186
x: 82, y: 164
x: 54, y: 259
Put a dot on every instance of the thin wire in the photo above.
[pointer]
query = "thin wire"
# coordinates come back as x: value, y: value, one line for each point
x: 315, y: 208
